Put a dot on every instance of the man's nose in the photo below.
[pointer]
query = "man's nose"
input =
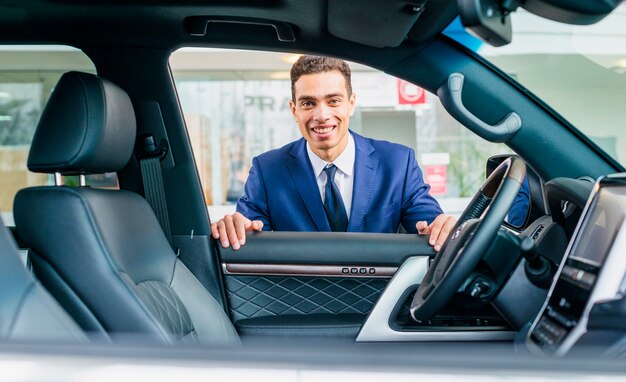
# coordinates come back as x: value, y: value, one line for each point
x: 322, y: 112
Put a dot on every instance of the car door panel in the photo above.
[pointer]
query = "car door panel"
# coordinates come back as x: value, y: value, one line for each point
x: 312, y: 284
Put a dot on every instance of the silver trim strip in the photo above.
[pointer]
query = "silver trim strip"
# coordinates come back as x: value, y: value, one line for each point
x: 376, y: 328
x: 360, y: 271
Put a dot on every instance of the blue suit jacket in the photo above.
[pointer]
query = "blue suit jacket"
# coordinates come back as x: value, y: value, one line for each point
x: 389, y: 190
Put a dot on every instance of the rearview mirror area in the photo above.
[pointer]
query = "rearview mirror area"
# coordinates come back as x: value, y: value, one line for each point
x: 486, y: 20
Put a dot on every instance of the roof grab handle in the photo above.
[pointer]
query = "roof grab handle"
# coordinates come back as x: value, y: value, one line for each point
x: 197, y: 25
x: 450, y: 94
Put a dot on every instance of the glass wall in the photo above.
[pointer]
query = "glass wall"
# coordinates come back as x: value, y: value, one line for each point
x: 234, y: 115
x: 28, y: 75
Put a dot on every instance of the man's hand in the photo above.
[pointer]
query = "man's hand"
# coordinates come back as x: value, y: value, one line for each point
x: 439, y: 230
x: 231, y: 229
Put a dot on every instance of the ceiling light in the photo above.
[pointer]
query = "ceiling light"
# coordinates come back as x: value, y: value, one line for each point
x: 279, y: 75
x: 620, y: 66
x: 291, y: 58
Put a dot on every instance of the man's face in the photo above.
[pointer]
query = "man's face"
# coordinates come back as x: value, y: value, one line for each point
x: 322, y: 109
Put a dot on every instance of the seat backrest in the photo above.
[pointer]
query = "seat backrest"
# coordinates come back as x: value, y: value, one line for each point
x: 27, y: 311
x: 102, y: 253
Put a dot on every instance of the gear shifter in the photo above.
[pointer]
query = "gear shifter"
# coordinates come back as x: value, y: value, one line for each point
x: 538, y: 269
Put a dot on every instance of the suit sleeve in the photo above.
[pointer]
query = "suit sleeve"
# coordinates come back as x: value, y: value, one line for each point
x: 417, y: 203
x: 518, y: 211
x: 253, y: 203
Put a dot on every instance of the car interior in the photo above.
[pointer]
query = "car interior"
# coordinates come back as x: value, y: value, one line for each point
x: 139, y: 262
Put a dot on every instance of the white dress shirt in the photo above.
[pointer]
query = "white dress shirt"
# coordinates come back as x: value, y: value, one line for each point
x: 344, y: 178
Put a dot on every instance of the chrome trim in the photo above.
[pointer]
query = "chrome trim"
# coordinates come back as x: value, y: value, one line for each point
x: 82, y: 181
x: 58, y: 180
x: 377, y: 329
x: 247, y: 269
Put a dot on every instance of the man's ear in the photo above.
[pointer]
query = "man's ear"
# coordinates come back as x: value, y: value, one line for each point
x: 292, y: 106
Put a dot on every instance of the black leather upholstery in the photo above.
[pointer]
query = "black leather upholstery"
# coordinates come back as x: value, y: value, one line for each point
x: 103, y: 251
x: 27, y: 312
x: 88, y: 126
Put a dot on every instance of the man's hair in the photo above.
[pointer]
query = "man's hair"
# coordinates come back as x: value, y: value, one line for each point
x: 318, y: 64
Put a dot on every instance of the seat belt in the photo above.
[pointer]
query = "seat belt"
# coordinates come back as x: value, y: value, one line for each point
x: 150, y: 163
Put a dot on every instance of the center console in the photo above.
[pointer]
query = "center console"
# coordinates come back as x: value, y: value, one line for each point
x: 592, y: 270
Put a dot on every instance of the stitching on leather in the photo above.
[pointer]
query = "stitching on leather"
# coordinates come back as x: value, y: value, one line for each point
x: 244, y: 294
x: 168, y: 308
x: 105, y: 250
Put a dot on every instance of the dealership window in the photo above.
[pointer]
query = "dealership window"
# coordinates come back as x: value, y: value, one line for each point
x: 28, y: 75
x: 236, y: 106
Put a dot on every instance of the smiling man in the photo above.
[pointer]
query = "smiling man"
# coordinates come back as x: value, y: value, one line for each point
x: 333, y: 179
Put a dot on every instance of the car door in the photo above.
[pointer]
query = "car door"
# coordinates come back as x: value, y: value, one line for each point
x: 313, y: 284
x: 309, y: 283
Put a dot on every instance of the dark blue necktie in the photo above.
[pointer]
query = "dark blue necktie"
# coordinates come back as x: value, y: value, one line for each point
x: 333, y: 203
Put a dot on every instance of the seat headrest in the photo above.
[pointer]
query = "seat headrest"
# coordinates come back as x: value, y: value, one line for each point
x: 88, y: 126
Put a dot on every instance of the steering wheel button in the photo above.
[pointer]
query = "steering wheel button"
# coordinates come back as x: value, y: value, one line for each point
x: 372, y: 271
x: 345, y: 270
x: 354, y: 271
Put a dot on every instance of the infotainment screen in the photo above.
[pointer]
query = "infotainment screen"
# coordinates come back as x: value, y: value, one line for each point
x: 596, y: 236
x: 591, y: 271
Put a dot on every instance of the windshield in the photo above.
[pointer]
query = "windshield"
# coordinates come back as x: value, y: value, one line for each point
x: 579, y: 71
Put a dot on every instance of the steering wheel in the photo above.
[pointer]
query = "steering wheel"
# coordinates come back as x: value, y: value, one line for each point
x: 471, y: 238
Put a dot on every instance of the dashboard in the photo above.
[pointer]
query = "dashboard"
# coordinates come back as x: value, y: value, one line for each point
x: 591, y: 272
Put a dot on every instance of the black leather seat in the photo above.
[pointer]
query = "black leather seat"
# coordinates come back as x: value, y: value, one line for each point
x: 102, y: 253
x: 27, y: 312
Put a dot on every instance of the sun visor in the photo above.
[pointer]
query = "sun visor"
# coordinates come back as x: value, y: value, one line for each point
x: 375, y: 23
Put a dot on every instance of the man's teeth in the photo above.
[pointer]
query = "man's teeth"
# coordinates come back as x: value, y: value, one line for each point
x: 322, y: 130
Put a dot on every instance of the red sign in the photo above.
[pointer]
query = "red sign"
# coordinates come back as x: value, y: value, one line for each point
x: 436, y: 176
x: 409, y: 94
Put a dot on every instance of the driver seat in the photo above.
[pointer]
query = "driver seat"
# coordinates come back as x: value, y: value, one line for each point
x: 102, y: 252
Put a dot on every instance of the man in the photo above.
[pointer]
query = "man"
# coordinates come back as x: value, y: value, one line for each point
x: 332, y: 179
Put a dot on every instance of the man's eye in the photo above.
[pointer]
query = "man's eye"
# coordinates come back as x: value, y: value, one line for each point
x: 334, y: 101
x: 307, y: 104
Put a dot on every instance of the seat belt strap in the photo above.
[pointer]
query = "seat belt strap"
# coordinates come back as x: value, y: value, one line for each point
x: 150, y: 163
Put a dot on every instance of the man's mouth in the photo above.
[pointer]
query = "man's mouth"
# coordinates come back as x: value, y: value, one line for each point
x: 323, y: 129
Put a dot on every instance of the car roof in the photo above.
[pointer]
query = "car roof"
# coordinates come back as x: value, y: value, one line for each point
x: 169, y: 24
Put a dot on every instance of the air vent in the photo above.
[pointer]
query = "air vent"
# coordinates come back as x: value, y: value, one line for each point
x: 537, y: 232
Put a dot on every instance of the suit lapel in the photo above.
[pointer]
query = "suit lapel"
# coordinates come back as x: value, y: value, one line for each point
x: 303, y: 177
x: 365, y: 169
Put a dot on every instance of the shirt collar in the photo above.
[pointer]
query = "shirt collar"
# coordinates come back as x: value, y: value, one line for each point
x: 344, y: 162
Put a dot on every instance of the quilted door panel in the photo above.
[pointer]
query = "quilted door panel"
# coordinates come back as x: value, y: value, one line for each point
x: 256, y: 296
